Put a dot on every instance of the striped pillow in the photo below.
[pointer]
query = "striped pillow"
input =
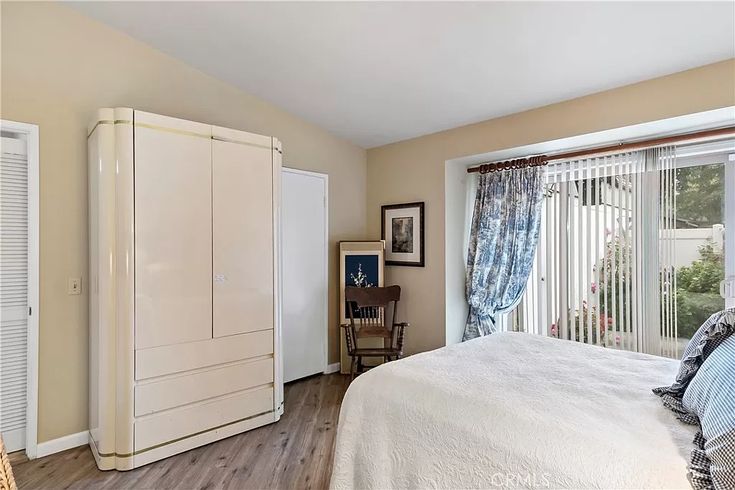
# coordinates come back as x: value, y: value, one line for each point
x: 712, y: 332
x: 710, y: 395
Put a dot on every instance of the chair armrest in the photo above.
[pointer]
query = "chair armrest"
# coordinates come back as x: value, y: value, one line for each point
x: 345, y: 325
x: 402, y: 324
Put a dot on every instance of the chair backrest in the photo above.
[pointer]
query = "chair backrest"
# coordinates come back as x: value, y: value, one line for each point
x: 368, y: 307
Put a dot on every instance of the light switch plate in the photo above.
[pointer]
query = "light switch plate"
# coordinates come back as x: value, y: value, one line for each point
x: 74, y: 285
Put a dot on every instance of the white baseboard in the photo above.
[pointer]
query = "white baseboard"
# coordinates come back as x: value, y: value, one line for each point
x: 332, y: 368
x: 82, y: 438
x: 62, y: 444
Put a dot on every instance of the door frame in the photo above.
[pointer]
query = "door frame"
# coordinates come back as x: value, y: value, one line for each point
x: 728, y: 284
x: 31, y: 133
x: 726, y: 157
x: 325, y: 178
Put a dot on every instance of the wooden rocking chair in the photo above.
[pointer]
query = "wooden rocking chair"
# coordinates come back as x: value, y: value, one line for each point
x: 368, y: 309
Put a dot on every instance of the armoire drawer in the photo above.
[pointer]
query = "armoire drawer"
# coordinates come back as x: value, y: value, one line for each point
x: 176, y: 358
x: 189, y: 388
x: 165, y: 427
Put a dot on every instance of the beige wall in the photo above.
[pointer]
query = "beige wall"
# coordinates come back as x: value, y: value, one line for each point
x: 414, y: 170
x: 57, y: 68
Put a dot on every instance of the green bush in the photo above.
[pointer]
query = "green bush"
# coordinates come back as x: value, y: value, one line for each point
x: 703, y: 275
x: 698, y: 290
x: 693, y: 308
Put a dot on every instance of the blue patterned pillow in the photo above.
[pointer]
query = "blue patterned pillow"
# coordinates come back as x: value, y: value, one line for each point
x: 710, y: 396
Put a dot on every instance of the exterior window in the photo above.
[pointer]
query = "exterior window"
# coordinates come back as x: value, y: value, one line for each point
x: 632, y: 252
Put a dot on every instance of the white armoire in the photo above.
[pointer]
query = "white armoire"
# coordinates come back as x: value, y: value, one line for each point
x: 184, y: 291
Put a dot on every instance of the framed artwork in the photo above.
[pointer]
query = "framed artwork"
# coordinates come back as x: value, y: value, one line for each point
x: 402, y: 229
x: 361, y: 264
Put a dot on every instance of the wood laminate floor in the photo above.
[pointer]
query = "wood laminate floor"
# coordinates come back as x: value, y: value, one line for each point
x: 295, y: 452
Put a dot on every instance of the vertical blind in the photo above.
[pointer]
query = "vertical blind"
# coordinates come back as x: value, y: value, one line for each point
x: 13, y: 291
x: 666, y: 162
x: 606, y: 237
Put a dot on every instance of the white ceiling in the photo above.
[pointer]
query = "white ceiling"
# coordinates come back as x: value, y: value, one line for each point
x: 376, y: 73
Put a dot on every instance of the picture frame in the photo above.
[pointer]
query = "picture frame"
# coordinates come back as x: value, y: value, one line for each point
x: 402, y: 229
x: 361, y: 264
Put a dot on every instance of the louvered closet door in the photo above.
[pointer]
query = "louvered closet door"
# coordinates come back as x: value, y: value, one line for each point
x: 14, y: 298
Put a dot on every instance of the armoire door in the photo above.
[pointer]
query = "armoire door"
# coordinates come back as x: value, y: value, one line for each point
x: 305, y: 282
x: 242, y: 224
x: 173, y: 233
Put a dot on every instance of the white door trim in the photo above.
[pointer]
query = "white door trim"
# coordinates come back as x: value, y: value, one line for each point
x: 31, y: 133
x: 325, y: 178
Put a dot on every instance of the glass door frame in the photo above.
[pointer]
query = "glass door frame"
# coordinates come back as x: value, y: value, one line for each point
x: 727, y: 287
x: 711, y: 154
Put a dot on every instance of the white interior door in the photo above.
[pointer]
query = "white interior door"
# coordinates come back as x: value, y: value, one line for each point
x: 18, y: 286
x: 304, y: 222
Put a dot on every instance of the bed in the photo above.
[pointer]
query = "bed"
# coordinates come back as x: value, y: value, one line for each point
x: 512, y: 410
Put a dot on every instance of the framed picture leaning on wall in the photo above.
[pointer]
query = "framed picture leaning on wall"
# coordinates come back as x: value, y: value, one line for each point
x: 360, y: 265
x: 402, y: 228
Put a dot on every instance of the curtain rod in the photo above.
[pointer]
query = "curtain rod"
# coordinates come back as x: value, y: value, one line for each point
x: 636, y: 145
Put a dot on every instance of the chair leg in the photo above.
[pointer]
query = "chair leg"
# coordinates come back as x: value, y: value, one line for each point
x: 353, y: 363
x: 359, y: 364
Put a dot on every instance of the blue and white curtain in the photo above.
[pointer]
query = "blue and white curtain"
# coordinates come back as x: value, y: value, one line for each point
x: 505, y: 230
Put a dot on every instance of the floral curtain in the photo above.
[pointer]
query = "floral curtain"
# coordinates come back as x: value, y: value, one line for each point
x: 505, y: 229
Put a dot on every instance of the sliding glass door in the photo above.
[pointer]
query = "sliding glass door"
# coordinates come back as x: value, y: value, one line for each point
x: 633, y: 252
x: 703, y: 221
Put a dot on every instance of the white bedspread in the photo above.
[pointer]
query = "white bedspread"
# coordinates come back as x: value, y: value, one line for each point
x: 512, y: 410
